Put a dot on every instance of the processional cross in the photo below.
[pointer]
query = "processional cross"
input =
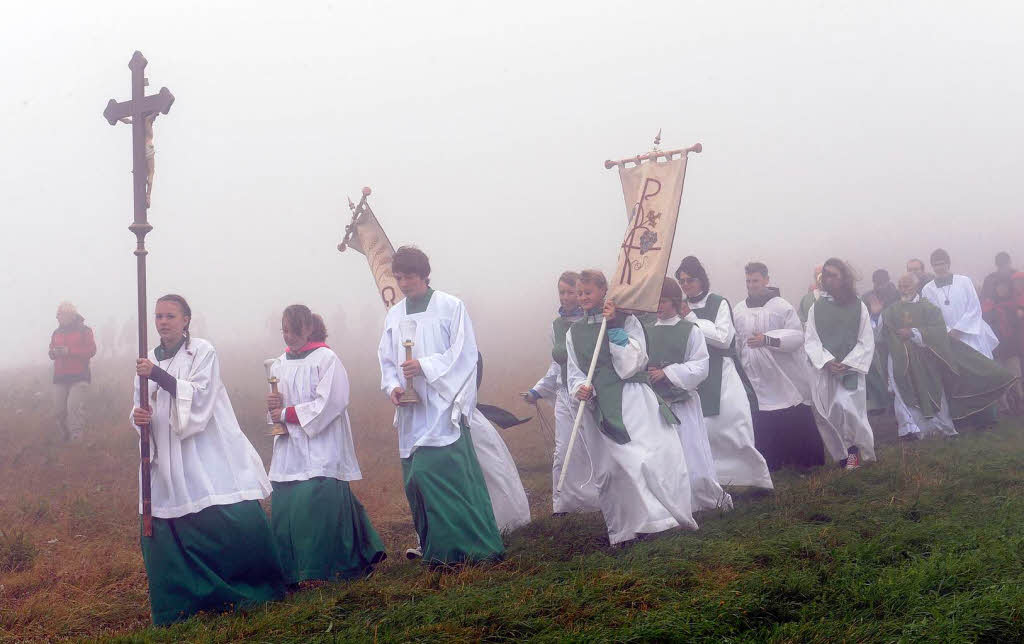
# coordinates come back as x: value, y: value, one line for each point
x: 140, y: 108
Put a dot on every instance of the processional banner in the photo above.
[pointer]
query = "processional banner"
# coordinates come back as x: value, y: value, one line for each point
x: 652, y: 191
x: 366, y: 236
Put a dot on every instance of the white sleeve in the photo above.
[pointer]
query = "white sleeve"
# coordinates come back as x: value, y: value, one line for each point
x: 547, y: 386
x: 196, y: 397
x: 817, y: 353
x: 790, y: 335
x: 332, y: 395
x: 449, y: 372
x: 688, y: 375
x: 630, y: 359
x: 719, y: 333
x: 388, y: 367
x: 860, y: 357
x: 970, y: 320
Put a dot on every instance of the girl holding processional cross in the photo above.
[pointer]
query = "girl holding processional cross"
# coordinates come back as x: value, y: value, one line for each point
x: 322, y: 531
x: 211, y: 547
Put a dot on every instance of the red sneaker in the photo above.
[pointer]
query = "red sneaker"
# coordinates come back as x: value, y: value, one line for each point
x: 853, y: 461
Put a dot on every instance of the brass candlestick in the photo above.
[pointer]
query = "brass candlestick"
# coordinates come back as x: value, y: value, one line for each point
x: 410, y: 396
x: 279, y: 428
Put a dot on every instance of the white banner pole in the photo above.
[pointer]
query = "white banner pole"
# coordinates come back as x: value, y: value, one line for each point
x: 583, y: 404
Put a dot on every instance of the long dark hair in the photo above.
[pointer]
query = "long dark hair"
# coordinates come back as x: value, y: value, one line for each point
x: 186, y: 310
x: 692, y: 267
x: 846, y: 292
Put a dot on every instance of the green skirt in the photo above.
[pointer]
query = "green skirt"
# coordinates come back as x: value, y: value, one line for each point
x: 322, y: 531
x: 220, y: 558
x: 450, y: 505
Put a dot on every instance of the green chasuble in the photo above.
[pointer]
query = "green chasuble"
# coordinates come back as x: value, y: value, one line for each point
x: 607, y: 385
x: 559, y: 327
x: 451, y: 508
x: 711, y: 389
x: 838, y: 328
x: 220, y: 558
x: 666, y: 344
x: 322, y: 531
x: 971, y: 381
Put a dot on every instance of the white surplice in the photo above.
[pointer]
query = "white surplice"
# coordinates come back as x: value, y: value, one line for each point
x: 200, y: 457
x: 445, y: 346
x: 961, y: 310
x: 780, y: 375
x: 706, y: 492
x: 731, y: 432
x: 508, y: 497
x: 321, y: 444
x: 579, y: 492
x: 845, y: 412
x: 644, y: 485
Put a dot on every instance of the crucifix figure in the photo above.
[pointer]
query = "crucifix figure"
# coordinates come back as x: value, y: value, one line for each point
x: 140, y: 111
x: 150, y: 151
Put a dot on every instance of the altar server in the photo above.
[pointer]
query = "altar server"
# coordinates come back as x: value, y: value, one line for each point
x: 770, y: 342
x: 321, y: 529
x: 841, y: 344
x: 579, y: 492
x: 642, y: 478
x: 445, y: 487
x: 724, y: 396
x: 678, y: 364
x: 212, y: 548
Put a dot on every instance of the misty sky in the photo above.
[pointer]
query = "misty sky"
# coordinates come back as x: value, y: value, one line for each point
x: 874, y: 131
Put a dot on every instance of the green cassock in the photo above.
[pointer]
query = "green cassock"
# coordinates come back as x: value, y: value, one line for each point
x: 447, y: 494
x: 220, y: 558
x: 322, y: 531
x: 972, y: 382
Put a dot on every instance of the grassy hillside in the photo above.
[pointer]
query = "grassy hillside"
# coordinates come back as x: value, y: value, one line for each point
x: 928, y: 545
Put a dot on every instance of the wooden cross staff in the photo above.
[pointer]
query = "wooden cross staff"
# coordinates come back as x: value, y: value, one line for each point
x: 139, y: 108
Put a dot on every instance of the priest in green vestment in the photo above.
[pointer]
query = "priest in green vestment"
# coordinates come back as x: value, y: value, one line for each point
x: 937, y: 378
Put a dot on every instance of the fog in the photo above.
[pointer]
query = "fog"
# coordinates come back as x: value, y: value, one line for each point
x: 874, y: 131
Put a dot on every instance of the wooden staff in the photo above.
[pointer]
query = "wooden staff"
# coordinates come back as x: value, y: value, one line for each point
x: 138, y: 109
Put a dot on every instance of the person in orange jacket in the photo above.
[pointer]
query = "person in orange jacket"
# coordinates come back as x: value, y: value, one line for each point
x: 71, y: 347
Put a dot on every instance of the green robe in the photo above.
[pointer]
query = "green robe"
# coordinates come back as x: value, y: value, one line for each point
x: 972, y: 382
x: 607, y: 385
x: 220, y: 558
x: 711, y: 389
x: 666, y: 344
x: 451, y: 508
x: 322, y: 531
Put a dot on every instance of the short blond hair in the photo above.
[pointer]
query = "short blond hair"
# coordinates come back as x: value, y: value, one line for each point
x: 569, y: 277
x: 595, y: 277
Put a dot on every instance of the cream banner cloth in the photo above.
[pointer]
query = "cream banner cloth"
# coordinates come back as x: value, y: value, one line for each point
x: 652, y: 191
x: 367, y: 237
